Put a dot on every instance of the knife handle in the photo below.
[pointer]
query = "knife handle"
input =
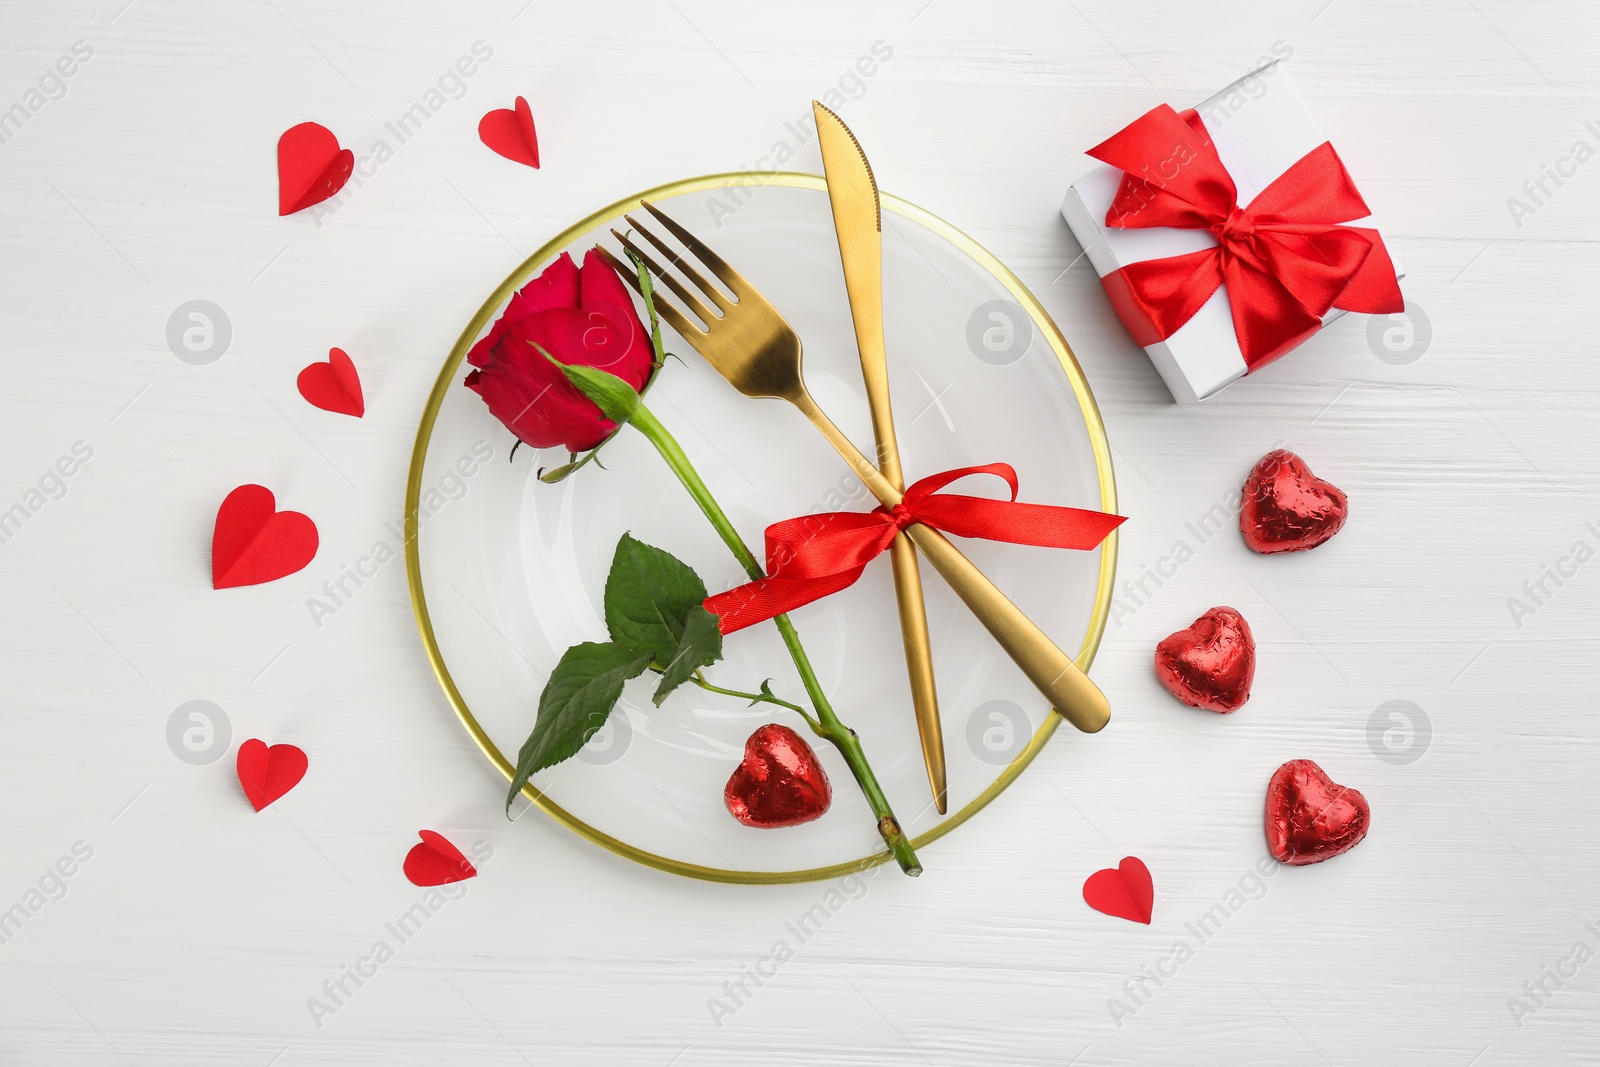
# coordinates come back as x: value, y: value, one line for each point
x: 1053, y: 672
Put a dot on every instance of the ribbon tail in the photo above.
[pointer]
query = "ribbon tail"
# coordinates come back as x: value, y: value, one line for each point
x: 1373, y: 289
x: 1043, y: 525
x: 815, y: 556
x: 745, y: 605
x: 1155, y: 297
x: 1267, y: 318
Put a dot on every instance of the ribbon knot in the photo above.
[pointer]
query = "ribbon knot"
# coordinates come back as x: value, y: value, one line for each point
x: 815, y: 555
x: 1287, y: 257
x: 1238, y: 225
x: 900, y: 515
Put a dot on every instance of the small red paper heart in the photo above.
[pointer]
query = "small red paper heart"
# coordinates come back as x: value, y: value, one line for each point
x: 1286, y: 508
x: 254, y: 543
x: 1212, y: 663
x: 780, y: 782
x: 268, y: 773
x: 333, y: 386
x: 311, y: 167
x: 436, y: 861
x: 1126, y: 892
x: 510, y: 132
x: 1310, y: 818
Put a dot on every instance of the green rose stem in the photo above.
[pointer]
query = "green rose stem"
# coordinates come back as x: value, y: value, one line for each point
x: 766, y: 696
x: 826, y: 724
x: 620, y: 403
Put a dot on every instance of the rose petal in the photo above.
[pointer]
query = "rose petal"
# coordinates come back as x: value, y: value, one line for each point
x: 521, y: 387
x: 557, y: 286
x: 542, y: 412
x: 588, y: 339
x: 601, y: 284
x: 605, y: 293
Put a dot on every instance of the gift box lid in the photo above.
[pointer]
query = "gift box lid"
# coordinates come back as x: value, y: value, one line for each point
x: 1260, y: 126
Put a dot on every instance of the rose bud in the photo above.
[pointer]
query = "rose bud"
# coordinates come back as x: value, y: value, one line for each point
x: 581, y: 318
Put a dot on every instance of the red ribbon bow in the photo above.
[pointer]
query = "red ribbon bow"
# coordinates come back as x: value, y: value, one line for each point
x: 1284, y: 258
x: 815, y: 555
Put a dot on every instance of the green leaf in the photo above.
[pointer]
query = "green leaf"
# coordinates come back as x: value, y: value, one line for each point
x: 580, y: 694
x: 699, y: 646
x: 648, y: 596
x: 615, y: 398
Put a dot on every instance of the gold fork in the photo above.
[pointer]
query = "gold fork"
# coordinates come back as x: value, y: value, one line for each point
x: 748, y: 342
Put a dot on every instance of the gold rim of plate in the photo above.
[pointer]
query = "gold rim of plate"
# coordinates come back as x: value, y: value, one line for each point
x: 447, y: 380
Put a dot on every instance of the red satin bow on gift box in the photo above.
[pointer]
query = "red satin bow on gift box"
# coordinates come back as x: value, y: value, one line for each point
x: 1285, y: 258
x: 810, y: 557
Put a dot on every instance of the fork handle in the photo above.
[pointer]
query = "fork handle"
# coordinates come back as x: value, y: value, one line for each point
x: 1052, y: 671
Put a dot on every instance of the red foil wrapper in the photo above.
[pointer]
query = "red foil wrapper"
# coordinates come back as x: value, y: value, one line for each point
x: 1311, y: 818
x: 780, y: 782
x: 1286, y: 508
x: 1212, y: 663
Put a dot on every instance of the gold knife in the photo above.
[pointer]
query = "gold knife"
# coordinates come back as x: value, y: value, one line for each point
x: 859, y: 222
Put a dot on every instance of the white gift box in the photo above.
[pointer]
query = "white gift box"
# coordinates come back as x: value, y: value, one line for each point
x: 1260, y: 127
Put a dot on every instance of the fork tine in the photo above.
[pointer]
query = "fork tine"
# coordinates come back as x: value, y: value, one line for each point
x: 683, y: 265
x: 675, y: 318
x: 719, y: 266
x: 706, y: 315
x: 624, y: 269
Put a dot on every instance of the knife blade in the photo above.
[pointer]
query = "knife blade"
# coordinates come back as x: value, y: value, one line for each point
x: 858, y: 221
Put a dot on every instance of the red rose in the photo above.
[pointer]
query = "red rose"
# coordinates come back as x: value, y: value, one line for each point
x: 582, y: 318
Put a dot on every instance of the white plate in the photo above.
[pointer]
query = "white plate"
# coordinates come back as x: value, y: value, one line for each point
x: 507, y: 572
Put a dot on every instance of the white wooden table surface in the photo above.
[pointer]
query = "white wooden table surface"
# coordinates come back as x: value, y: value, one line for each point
x: 193, y: 931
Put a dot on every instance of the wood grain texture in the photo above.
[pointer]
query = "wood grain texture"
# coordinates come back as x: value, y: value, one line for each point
x: 197, y: 931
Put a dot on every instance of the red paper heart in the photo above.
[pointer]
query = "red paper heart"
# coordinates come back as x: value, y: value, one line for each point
x: 1286, y: 508
x: 1126, y: 892
x: 268, y: 773
x: 311, y: 167
x: 510, y: 132
x: 780, y: 782
x: 436, y: 861
x: 1310, y: 818
x: 333, y: 386
x: 1211, y: 664
x: 253, y: 543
